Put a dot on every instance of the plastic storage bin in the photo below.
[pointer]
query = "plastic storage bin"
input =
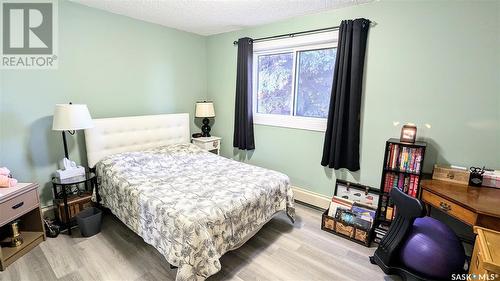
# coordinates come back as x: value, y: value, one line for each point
x: 89, y: 221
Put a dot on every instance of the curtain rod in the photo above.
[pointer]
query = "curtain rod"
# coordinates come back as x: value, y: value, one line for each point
x: 288, y: 35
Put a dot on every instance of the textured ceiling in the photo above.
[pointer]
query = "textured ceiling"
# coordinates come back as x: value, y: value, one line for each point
x: 207, y: 17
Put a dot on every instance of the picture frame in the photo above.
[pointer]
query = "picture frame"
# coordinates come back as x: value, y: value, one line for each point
x: 408, y: 133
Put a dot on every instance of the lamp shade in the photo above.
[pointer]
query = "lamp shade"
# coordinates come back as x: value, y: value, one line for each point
x: 205, y: 109
x: 68, y: 117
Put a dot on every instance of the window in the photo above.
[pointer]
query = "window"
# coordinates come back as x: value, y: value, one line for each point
x: 293, y: 81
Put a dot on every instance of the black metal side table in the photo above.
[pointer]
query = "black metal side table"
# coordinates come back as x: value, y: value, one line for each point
x: 72, y: 186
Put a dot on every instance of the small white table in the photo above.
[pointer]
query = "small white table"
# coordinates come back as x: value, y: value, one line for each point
x: 211, y: 144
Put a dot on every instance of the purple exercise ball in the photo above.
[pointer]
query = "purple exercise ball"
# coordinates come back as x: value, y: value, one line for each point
x: 432, y: 249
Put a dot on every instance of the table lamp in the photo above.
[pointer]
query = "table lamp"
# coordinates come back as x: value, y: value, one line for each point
x: 205, y: 110
x: 70, y: 117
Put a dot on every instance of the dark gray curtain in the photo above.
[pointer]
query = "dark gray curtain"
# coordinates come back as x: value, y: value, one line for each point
x: 243, y: 115
x: 341, y: 146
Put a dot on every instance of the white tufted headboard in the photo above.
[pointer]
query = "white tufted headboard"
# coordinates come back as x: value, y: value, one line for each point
x: 121, y: 134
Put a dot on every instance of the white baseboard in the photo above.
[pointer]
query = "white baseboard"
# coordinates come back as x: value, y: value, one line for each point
x: 311, y: 198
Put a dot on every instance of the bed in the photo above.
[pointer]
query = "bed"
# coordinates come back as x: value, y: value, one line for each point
x: 191, y: 205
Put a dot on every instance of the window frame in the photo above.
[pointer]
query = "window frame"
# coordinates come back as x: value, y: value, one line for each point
x: 311, y: 42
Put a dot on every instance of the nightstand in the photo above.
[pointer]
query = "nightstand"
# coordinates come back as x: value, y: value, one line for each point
x: 71, y: 196
x: 19, y: 203
x: 211, y: 144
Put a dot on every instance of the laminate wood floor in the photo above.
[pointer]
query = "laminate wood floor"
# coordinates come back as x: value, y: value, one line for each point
x: 279, y: 251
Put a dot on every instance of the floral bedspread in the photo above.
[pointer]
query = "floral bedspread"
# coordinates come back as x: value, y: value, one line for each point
x: 191, y: 205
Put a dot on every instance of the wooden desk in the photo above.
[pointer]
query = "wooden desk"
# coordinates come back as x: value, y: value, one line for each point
x: 475, y: 206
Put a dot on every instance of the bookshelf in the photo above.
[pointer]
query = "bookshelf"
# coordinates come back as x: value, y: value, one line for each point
x: 402, y: 168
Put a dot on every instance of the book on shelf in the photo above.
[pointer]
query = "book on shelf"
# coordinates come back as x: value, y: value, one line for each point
x: 402, y: 170
x: 383, y: 226
x: 403, y: 158
x: 406, y: 185
x: 405, y: 182
x: 380, y: 231
x: 389, y: 213
x: 383, y: 205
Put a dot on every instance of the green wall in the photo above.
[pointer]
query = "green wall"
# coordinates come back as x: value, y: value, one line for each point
x: 118, y: 66
x: 427, y: 62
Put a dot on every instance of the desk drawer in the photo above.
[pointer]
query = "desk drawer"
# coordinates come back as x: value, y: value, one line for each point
x: 17, y: 206
x: 450, y: 208
x: 476, y: 264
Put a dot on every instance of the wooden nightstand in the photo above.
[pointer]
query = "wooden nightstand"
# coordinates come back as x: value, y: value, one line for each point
x: 21, y: 203
x: 211, y: 144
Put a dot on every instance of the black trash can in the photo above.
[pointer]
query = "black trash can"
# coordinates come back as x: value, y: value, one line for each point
x: 89, y: 221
